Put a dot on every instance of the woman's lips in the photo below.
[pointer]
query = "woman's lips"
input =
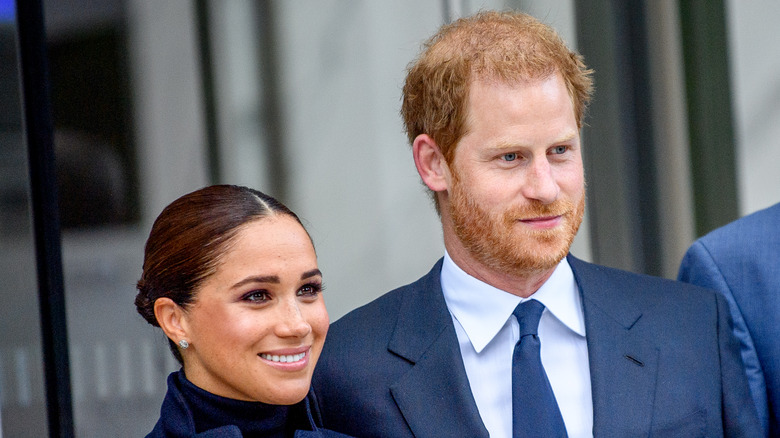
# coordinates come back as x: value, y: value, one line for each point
x: 287, y: 359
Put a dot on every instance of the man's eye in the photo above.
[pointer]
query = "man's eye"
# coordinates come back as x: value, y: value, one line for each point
x: 509, y: 157
x: 559, y: 150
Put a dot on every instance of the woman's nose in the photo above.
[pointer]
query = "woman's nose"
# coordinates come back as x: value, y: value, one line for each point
x: 291, y: 322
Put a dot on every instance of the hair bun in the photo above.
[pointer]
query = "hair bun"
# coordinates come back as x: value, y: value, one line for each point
x: 144, y: 305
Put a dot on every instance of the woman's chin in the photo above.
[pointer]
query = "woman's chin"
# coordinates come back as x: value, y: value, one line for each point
x: 288, y: 393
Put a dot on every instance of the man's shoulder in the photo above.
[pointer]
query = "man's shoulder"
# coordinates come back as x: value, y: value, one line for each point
x: 381, y: 335
x: 374, y: 315
x: 380, y: 315
x: 607, y: 284
x: 671, y: 313
x: 744, y: 232
x: 604, y: 276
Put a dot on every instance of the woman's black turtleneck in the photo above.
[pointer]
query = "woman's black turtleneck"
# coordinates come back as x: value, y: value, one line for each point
x: 189, y: 410
x: 210, y: 411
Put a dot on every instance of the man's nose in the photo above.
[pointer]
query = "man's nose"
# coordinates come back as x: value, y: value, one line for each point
x: 540, y: 183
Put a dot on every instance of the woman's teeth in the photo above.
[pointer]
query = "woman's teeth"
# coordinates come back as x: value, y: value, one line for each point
x: 283, y: 358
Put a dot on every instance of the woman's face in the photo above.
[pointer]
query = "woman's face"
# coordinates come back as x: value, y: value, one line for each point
x: 257, y: 325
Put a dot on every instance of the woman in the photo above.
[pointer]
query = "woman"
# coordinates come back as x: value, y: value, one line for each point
x: 231, y: 277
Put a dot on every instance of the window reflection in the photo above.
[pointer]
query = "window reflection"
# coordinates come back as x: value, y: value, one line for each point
x: 118, y: 366
x: 91, y: 110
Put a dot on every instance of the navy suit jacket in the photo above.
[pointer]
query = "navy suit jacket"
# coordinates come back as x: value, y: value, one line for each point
x: 663, y: 362
x: 742, y: 261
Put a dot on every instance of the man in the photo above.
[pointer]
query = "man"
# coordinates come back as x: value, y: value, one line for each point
x: 740, y: 261
x: 493, y: 108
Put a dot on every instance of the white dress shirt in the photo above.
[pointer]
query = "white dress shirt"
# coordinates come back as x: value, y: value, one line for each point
x: 487, y: 332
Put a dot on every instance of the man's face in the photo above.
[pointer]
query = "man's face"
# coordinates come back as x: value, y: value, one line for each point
x: 517, y: 190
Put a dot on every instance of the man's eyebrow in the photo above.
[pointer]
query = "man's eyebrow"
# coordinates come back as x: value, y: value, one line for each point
x: 569, y: 137
x: 508, y: 145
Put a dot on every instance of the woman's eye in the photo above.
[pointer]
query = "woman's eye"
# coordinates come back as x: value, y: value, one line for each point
x: 258, y: 296
x: 310, y: 290
x: 509, y: 157
x: 557, y: 150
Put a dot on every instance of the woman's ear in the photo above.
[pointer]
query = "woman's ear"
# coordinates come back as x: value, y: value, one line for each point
x: 430, y: 163
x: 171, y: 318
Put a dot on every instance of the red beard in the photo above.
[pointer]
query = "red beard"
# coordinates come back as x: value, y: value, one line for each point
x: 497, y: 239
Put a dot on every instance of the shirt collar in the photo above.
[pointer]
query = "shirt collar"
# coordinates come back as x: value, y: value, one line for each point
x: 482, y: 310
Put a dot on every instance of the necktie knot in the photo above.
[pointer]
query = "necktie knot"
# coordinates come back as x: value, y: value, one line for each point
x: 528, y: 314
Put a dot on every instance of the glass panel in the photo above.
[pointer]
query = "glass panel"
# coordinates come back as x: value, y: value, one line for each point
x: 118, y: 362
x: 22, y: 395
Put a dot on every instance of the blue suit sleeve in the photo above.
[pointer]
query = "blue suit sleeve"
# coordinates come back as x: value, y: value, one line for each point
x: 699, y: 268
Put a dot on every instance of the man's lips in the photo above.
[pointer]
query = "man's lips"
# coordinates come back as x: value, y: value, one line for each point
x: 543, y: 222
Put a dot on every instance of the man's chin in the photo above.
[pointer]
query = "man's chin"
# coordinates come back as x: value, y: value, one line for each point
x: 544, y: 256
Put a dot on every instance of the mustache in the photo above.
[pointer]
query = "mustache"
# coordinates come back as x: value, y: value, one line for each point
x: 560, y: 207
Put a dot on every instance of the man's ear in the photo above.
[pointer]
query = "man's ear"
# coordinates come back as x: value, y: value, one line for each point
x: 171, y: 318
x: 430, y: 163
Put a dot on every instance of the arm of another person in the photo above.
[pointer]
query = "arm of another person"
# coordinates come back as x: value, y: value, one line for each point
x: 698, y: 267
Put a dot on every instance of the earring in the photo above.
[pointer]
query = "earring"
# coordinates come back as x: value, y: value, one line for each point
x: 184, y: 344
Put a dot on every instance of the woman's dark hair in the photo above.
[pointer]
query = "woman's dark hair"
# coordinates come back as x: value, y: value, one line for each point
x: 188, y: 239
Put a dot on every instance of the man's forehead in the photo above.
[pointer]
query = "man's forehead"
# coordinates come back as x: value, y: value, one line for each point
x: 479, y: 84
x: 518, y: 80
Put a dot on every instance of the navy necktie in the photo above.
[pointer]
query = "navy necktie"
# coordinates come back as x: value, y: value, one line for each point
x: 535, y: 412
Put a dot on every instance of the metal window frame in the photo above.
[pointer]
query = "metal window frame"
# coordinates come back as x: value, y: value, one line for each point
x: 38, y: 127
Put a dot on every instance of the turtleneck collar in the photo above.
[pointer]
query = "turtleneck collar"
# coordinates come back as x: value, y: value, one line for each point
x: 188, y: 410
x: 210, y: 411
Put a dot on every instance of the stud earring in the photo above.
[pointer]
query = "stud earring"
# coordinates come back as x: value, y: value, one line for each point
x: 184, y: 344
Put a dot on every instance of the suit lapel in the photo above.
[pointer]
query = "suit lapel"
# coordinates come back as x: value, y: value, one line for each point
x: 434, y: 396
x: 623, y: 364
